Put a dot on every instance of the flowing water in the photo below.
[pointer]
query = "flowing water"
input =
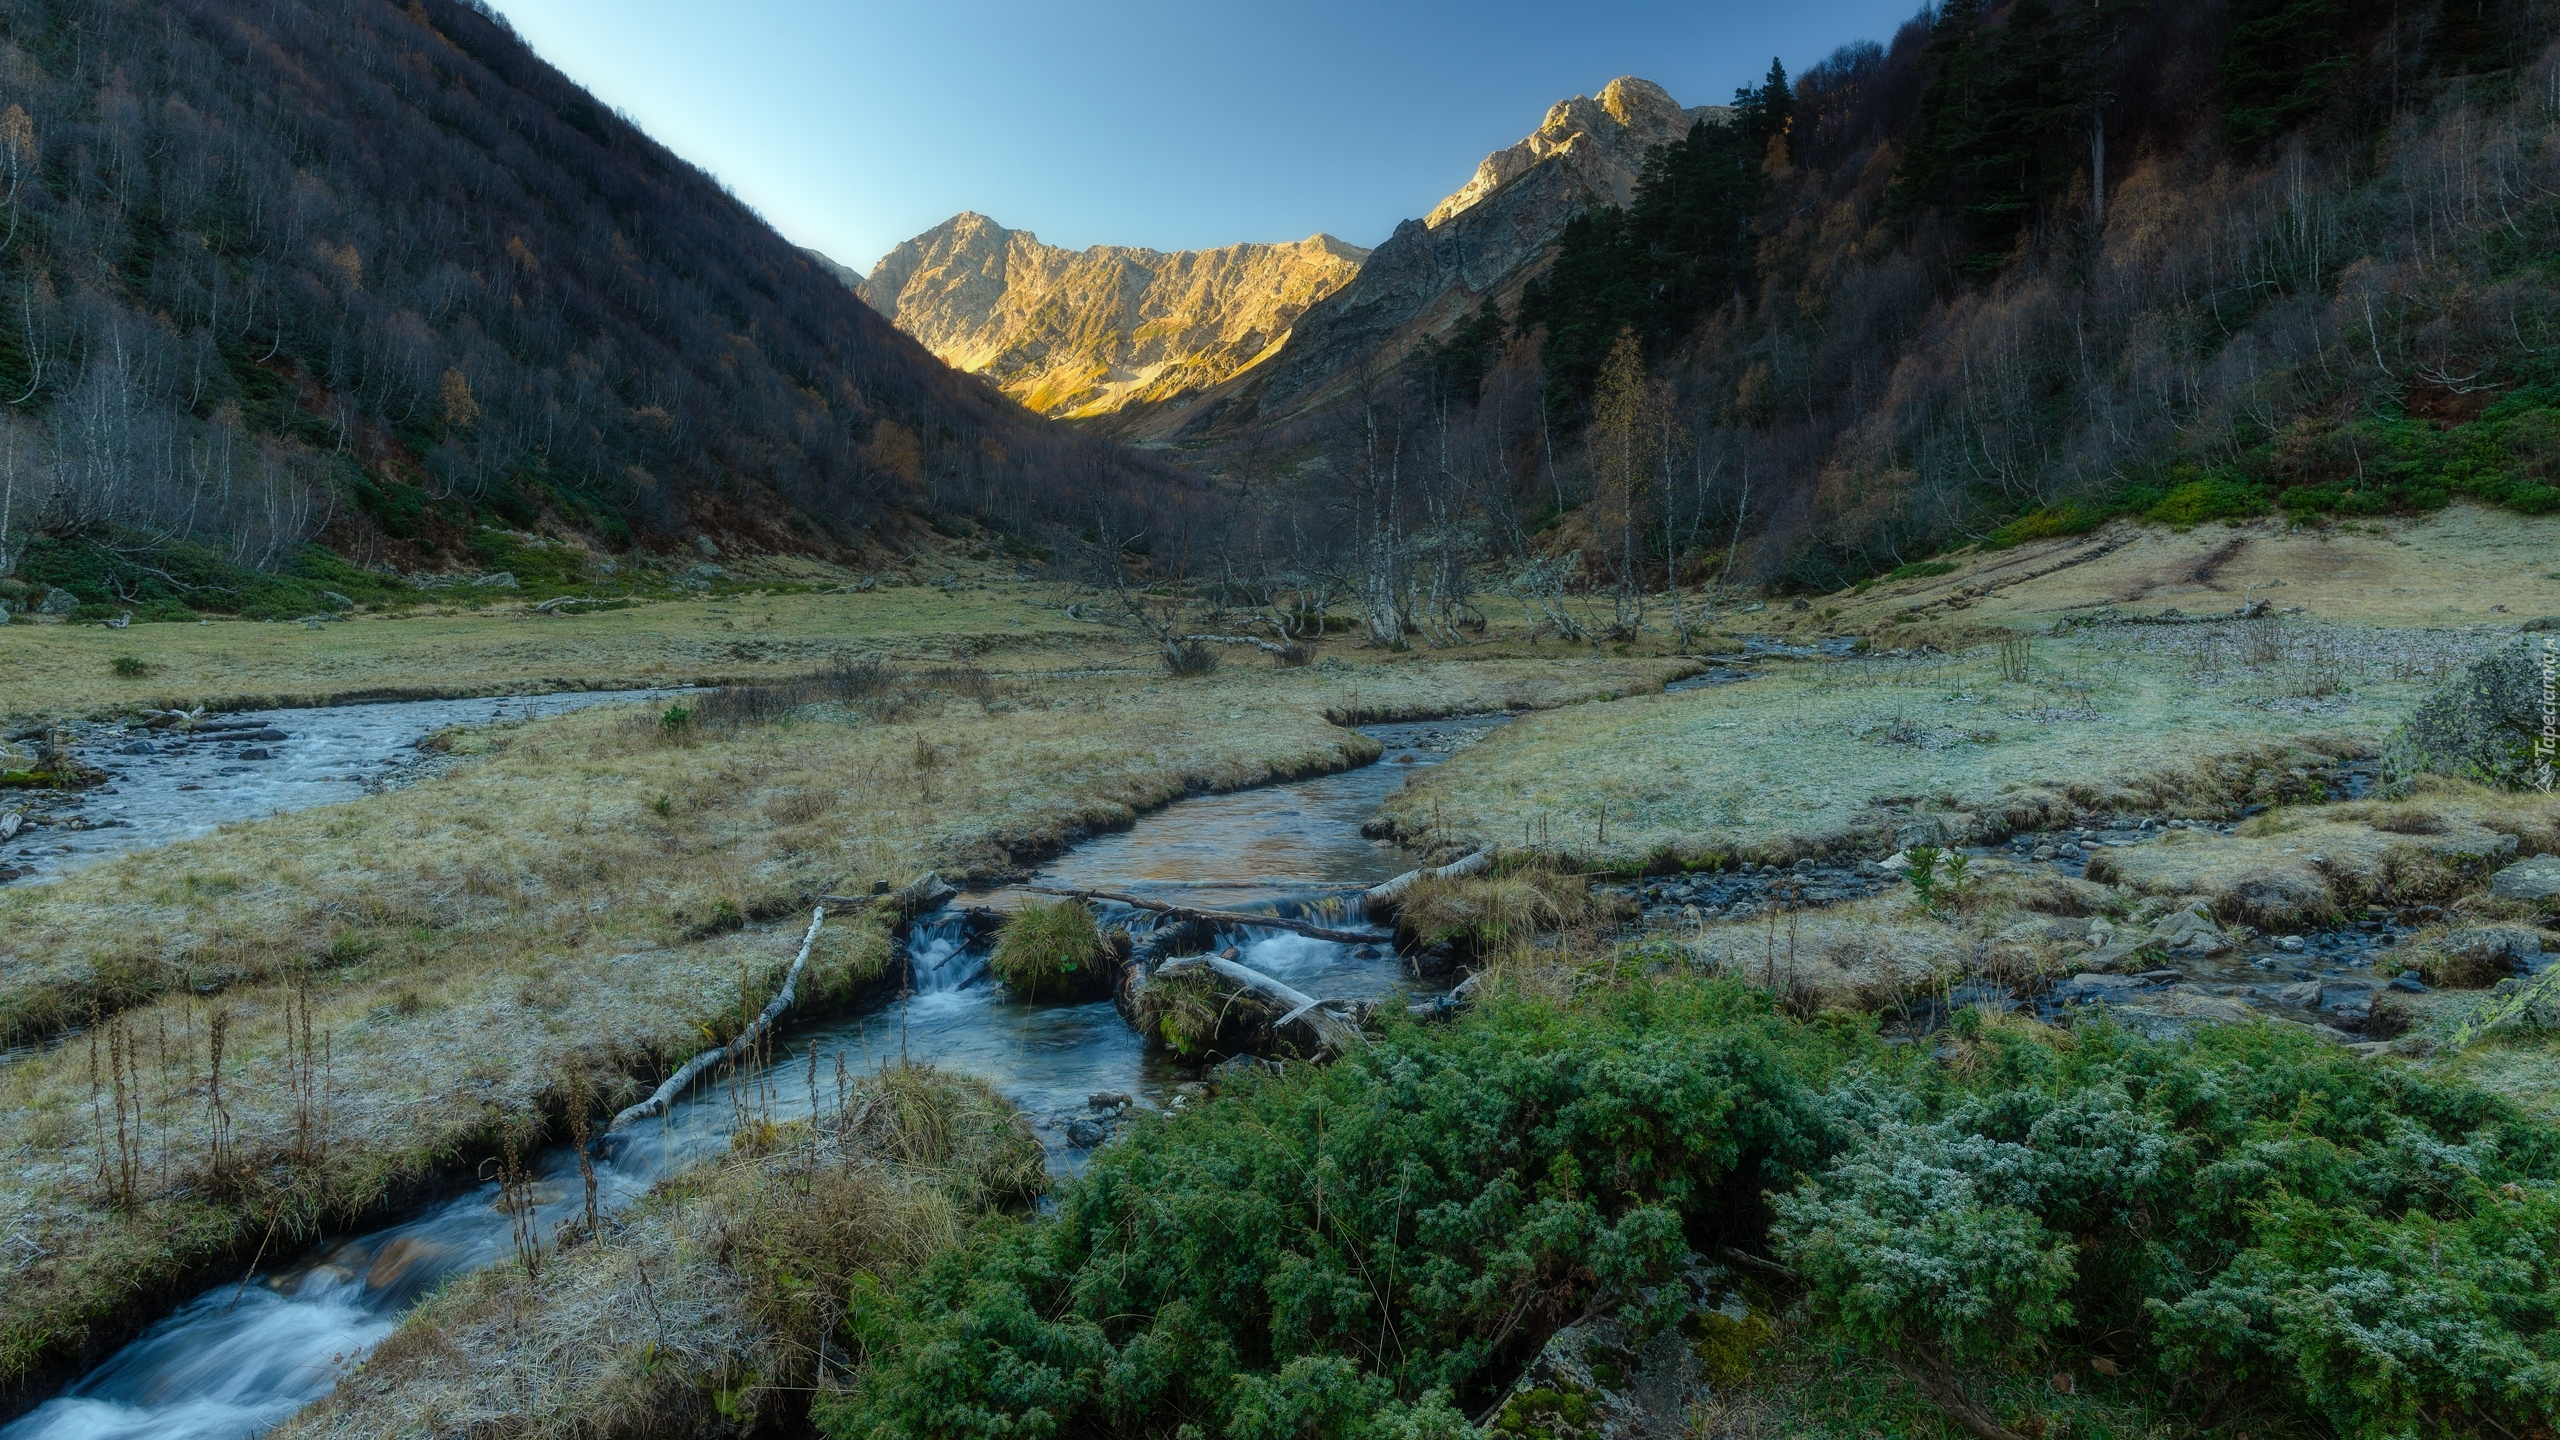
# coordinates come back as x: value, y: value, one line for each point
x: 243, y: 1356
x: 167, y: 786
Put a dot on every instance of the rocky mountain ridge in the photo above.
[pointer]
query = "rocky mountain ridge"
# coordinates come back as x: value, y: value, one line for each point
x: 1086, y: 333
x: 1485, y: 239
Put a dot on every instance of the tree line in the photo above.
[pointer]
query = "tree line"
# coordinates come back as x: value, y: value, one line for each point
x: 2024, y: 268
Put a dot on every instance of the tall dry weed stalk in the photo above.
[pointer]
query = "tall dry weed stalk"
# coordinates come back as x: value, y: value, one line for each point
x: 2016, y: 653
x: 516, y: 1197
x: 119, y: 1089
x: 309, y: 1061
x: 217, y: 1110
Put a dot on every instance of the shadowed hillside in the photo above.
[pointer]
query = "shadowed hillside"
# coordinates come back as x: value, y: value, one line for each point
x: 379, y: 275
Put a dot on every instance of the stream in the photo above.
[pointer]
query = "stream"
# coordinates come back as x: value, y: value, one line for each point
x: 164, y: 786
x: 246, y: 1354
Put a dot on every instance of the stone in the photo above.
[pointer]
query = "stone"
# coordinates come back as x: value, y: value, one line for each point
x: 2290, y: 944
x: 2483, y: 723
x: 2189, y: 932
x: 57, y: 602
x: 2175, y: 1012
x: 2477, y: 956
x: 2533, y: 881
x: 334, y: 600
x: 2302, y: 995
x: 1084, y: 1134
x: 257, y: 752
x: 2090, y: 986
x: 2349, y: 999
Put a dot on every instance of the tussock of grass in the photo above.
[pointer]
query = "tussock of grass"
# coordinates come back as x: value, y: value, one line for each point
x: 1197, y: 1012
x: 1479, y: 914
x: 1054, y: 950
x: 707, y: 1306
x: 2298, y: 868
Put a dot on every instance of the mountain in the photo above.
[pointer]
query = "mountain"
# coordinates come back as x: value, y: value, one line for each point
x: 1086, y: 333
x: 377, y: 274
x: 1423, y: 281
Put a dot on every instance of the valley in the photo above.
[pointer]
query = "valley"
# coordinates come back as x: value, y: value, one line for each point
x: 1871, y: 761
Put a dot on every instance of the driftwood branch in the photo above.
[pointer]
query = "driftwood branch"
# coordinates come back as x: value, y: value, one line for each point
x: 1335, y: 1032
x: 1219, y: 917
x: 1381, y: 896
x: 1268, y: 646
x: 665, y: 1095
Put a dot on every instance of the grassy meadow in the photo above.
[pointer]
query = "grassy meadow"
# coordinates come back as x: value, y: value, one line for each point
x: 588, y: 895
x: 1816, y: 758
x: 403, y: 986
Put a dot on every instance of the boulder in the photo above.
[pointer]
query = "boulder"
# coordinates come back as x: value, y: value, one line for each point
x: 2476, y: 957
x: 2189, y: 932
x: 2482, y: 724
x: 2534, y: 881
x: 2177, y: 1011
x: 57, y: 602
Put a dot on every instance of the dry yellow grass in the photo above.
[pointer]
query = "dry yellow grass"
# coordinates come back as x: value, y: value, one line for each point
x: 724, y: 1281
x: 2464, y: 565
x: 54, y: 671
x: 1860, y: 757
x: 572, y: 900
x: 2305, y: 866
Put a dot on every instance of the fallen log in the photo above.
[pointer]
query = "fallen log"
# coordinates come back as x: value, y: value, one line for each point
x: 1220, y: 917
x: 1332, y: 1031
x: 676, y: 1084
x: 1387, y: 894
x: 927, y: 891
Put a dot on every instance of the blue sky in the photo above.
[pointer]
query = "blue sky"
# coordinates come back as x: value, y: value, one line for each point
x: 852, y: 126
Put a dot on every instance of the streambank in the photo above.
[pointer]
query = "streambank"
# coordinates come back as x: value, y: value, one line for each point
x: 220, y: 1367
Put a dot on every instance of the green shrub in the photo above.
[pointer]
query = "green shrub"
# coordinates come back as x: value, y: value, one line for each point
x: 131, y: 667
x: 2045, y: 522
x: 2211, y: 498
x: 2255, y: 1217
x: 1921, y: 570
x: 1051, y: 949
x: 2253, y: 1224
x: 1338, y: 1251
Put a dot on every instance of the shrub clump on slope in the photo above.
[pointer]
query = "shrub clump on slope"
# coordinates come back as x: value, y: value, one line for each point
x: 2253, y: 1222
x: 1357, y: 1249
x: 2251, y: 1228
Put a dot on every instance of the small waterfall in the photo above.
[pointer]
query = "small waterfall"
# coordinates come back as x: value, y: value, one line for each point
x: 939, y: 956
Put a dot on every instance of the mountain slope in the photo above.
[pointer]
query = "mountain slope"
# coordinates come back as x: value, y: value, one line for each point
x: 1083, y: 333
x: 1486, y: 237
x: 379, y: 274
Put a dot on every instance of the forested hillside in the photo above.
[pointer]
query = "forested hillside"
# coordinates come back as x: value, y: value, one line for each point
x: 2025, y: 267
x: 377, y: 275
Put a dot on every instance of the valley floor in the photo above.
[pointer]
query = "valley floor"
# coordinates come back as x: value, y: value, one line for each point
x: 579, y: 901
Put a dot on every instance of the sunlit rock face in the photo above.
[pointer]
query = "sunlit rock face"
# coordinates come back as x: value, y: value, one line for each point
x: 1480, y: 242
x: 1088, y: 333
